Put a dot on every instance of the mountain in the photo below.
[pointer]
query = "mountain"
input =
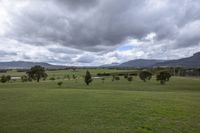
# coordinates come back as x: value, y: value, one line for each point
x: 26, y: 65
x: 138, y: 63
x: 189, y: 62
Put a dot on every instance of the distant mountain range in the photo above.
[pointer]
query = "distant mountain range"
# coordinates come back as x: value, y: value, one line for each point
x: 26, y: 65
x: 189, y: 62
x: 138, y: 63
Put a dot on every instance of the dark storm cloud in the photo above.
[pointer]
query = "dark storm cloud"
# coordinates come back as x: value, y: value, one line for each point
x: 77, y: 4
x: 97, y: 25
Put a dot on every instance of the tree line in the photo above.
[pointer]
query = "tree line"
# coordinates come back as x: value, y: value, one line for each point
x: 37, y: 73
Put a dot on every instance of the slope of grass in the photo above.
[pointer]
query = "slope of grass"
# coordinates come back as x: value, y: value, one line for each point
x: 110, y: 107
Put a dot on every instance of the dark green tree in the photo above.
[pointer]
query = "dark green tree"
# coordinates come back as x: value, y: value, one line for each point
x: 8, y: 78
x: 130, y: 79
x: 88, y: 78
x: 24, y: 78
x: 3, y: 79
x: 126, y: 76
x: 74, y: 76
x: 60, y: 83
x: 145, y: 75
x: 52, y: 78
x: 113, y: 77
x: 102, y: 79
x: 36, y: 73
x: 163, y: 77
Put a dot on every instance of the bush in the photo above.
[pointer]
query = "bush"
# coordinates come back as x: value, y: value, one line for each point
x: 126, y: 76
x: 163, y: 77
x: 8, y: 77
x: 145, y: 75
x: 74, y: 76
x: 103, y: 79
x: 24, y: 78
x: 5, y: 79
x: 130, y: 79
x: 52, y: 78
x: 103, y: 74
x: 60, y: 83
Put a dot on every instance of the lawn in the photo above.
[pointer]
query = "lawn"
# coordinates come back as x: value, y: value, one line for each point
x: 110, y: 107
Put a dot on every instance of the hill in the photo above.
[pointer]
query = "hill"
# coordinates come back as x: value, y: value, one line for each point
x: 138, y: 63
x: 26, y: 65
x: 189, y: 62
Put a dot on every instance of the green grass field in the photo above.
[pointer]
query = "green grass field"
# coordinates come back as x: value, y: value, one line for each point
x: 110, y: 107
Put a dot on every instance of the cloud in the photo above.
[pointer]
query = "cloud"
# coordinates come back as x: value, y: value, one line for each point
x: 71, y: 31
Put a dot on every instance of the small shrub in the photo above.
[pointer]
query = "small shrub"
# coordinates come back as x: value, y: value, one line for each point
x: 60, y: 83
x: 103, y: 79
x: 74, y: 76
x: 24, y: 78
x: 130, y: 79
x: 52, y: 78
x: 126, y: 76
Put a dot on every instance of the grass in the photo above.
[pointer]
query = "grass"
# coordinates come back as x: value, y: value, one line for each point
x: 110, y: 107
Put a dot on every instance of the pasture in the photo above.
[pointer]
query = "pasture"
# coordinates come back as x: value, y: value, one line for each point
x: 109, y: 107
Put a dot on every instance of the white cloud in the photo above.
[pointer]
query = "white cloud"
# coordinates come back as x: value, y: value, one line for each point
x: 96, y: 32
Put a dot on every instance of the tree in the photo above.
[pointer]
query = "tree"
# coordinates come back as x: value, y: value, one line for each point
x: 8, y: 78
x: 88, y: 78
x: 3, y: 79
x: 145, y: 75
x: 74, y: 76
x: 24, y: 78
x: 130, y: 79
x: 60, y: 83
x: 163, y: 77
x: 45, y: 76
x: 36, y: 73
x: 113, y: 77
x: 126, y: 76
x: 103, y: 79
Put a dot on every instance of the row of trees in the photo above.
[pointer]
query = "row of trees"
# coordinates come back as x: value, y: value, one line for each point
x: 37, y: 73
x: 162, y: 77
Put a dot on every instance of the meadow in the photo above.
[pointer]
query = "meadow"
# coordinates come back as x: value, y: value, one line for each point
x: 109, y: 107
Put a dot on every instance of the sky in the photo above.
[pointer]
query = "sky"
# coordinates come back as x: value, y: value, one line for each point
x: 97, y: 32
